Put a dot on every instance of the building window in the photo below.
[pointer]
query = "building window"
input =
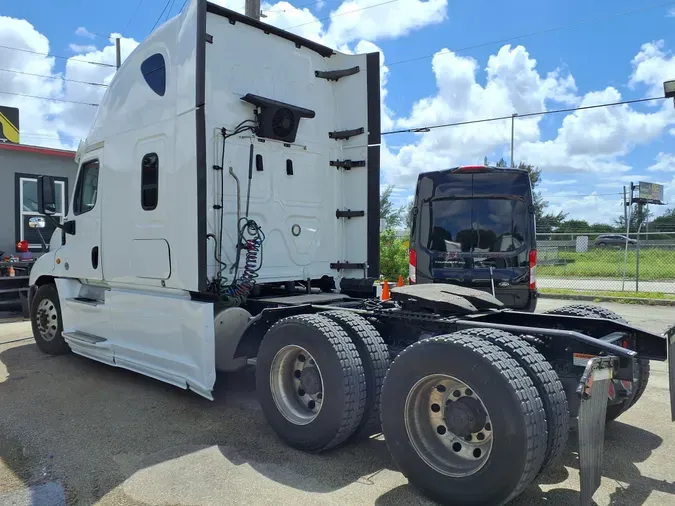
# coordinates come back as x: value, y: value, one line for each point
x: 27, y: 208
x: 86, y: 188
x: 154, y: 73
x: 149, y: 181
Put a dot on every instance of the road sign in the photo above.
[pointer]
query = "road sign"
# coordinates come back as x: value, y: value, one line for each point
x: 649, y: 193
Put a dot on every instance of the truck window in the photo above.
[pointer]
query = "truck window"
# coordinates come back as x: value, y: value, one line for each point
x: 154, y: 73
x: 86, y: 188
x: 149, y: 181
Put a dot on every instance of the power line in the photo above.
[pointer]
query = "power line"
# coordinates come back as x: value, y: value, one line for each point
x: 529, y: 114
x: 138, y: 5
x: 584, y: 195
x: 298, y: 7
x: 160, y: 15
x: 531, y: 34
x: 58, y: 56
x: 52, y: 77
x: 48, y: 98
x: 341, y: 14
x: 169, y: 11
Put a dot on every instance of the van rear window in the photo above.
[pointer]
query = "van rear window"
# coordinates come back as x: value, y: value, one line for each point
x: 477, y: 225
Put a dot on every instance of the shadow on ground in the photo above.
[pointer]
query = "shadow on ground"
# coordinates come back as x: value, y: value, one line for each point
x: 88, y: 428
x: 72, y: 426
x: 625, y: 446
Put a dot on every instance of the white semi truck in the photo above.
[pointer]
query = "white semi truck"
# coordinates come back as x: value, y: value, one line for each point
x: 226, y: 214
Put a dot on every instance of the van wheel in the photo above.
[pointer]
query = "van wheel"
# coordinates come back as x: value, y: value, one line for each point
x: 463, y: 421
x: 310, y: 382
x: 46, y: 321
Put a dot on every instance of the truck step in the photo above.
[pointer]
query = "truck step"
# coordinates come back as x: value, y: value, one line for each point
x: 84, y: 337
x: 86, y: 301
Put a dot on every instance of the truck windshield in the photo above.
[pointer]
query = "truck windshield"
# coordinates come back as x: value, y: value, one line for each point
x: 478, y: 225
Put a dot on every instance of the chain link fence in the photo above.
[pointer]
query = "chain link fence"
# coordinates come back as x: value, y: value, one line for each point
x: 584, y: 262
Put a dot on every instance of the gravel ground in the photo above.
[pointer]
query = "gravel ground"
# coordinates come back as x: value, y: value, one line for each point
x: 73, y: 431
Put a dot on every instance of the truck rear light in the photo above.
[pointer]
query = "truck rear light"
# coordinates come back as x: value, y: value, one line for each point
x: 412, y: 266
x: 533, y: 269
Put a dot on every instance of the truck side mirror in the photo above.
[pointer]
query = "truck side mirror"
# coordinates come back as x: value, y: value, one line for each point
x: 36, y: 222
x: 46, y: 195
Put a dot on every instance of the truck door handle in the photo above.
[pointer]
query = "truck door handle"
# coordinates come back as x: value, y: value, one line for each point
x: 94, y: 257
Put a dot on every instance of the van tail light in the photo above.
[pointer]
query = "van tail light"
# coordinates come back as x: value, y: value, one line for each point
x: 533, y: 269
x: 412, y: 266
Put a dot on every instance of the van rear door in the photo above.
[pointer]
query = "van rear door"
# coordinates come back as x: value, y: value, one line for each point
x: 474, y: 227
x: 503, y: 235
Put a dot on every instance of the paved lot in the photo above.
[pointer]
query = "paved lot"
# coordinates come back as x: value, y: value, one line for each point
x: 77, y: 432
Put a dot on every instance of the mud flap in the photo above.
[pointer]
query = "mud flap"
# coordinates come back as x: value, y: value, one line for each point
x: 593, y: 390
x: 670, y: 335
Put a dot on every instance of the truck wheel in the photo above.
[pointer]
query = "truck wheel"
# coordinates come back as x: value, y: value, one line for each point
x: 310, y: 382
x: 46, y: 321
x: 376, y: 360
x: 546, y: 381
x: 463, y: 421
x: 642, y: 368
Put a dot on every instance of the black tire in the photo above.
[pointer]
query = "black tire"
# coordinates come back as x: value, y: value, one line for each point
x: 519, y: 429
x: 344, y: 389
x: 642, y: 365
x: 376, y: 360
x: 545, y: 380
x: 43, y: 306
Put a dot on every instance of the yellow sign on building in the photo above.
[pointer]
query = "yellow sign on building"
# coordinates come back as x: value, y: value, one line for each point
x: 9, y: 125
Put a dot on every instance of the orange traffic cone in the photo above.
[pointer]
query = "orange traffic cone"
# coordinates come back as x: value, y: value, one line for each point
x: 400, y: 280
x: 385, y: 290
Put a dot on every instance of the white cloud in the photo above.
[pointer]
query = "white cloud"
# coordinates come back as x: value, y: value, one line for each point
x: 651, y: 67
x: 665, y: 162
x: 513, y: 84
x: 563, y: 182
x: 79, y: 48
x: 594, y: 208
x: 83, y: 32
x: 36, y: 125
x: 671, y: 12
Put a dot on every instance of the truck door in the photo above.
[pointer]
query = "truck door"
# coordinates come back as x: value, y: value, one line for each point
x: 81, y: 255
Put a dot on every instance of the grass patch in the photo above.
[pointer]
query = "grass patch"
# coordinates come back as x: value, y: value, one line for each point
x: 618, y: 296
x: 655, y: 264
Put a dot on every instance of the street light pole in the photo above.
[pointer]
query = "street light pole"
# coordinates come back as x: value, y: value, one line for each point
x: 513, y: 117
x: 118, y: 53
x: 252, y: 9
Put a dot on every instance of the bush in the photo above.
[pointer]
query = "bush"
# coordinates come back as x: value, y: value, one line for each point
x: 393, y: 256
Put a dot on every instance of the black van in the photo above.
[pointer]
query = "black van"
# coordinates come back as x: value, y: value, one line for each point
x: 475, y: 226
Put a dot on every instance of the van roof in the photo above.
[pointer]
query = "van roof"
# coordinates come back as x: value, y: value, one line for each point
x: 472, y: 168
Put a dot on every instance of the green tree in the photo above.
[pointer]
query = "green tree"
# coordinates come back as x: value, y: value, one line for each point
x: 639, y: 214
x: 388, y: 212
x: 546, y: 222
x: 393, y: 255
x: 664, y: 223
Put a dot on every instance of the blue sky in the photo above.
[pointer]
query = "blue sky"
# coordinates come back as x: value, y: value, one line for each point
x: 585, y: 158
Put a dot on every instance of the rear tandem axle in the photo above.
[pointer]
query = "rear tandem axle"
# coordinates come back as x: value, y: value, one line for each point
x: 474, y: 401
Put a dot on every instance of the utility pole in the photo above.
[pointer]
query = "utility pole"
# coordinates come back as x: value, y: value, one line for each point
x: 513, y: 118
x: 627, y: 221
x: 118, y: 50
x: 253, y: 9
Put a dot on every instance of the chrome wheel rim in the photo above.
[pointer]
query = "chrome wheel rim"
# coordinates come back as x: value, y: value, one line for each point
x: 47, y: 319
x: 448, y: 425
x: 296, y: 385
